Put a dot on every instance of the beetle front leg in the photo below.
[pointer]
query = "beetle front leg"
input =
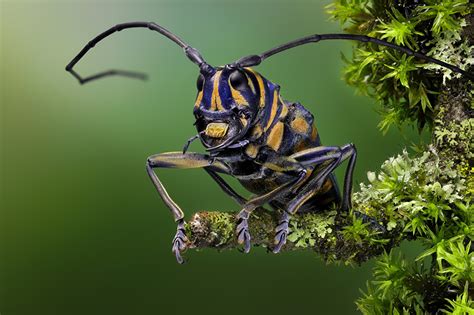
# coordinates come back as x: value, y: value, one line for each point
x: 183, y: 161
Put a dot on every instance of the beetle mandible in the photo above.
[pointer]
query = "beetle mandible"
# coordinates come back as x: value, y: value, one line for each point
x: 270, y: 145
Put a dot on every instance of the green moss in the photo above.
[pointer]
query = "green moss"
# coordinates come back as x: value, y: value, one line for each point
x: 305, y: 229
x: 404, y: 86
x: 221, y: 227
x: 428, y: 197
x: 462, y: 304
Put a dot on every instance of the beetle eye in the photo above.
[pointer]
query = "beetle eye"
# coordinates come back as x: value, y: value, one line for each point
x: 200, y: 82
x: 238, y: 80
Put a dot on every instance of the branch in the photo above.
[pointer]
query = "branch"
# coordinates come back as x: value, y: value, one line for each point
x: 325, y: 233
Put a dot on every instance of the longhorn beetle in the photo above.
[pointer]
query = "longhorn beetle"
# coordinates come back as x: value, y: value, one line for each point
x: 270, y: 145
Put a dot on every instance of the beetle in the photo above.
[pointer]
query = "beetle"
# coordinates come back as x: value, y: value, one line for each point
x: 270, y: 145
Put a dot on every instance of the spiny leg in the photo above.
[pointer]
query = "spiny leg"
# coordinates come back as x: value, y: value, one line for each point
x: 183, y: 161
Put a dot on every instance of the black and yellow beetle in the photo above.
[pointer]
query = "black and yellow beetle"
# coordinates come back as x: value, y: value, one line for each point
x: 270, y: 145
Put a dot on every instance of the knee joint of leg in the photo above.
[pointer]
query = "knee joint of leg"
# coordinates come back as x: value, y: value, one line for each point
x: 150, y: 162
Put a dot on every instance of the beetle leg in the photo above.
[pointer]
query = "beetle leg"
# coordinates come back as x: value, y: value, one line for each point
x: 226, y: 188
x: 179, y: 242
x: 335, y: 156
x: 343, y: 153
x: 242, y: 231
x: 281, y: 231
x: 243, y: 234
x: 183, y: 161
x: 347, y: 192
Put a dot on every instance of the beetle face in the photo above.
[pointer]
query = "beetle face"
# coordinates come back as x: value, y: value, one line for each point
x: 225, y: 107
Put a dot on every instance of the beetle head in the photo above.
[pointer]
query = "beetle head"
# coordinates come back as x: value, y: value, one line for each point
x: 226, y: 105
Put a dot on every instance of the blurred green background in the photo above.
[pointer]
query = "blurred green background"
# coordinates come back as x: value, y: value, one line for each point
x: 82, y: 229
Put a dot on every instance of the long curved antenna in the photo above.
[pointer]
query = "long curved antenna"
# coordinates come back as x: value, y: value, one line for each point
x: 192, y: 53
x: 254, y: 60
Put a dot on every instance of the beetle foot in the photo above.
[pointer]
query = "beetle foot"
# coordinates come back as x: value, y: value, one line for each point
x: 180, y: 242
x: 243, y: 235
x: 281, y: 232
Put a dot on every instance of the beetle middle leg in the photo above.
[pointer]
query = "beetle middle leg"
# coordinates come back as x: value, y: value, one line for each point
x: 242, y: 231
x: 226, y: 188
x: 183, y: 161
x: 330, y: 158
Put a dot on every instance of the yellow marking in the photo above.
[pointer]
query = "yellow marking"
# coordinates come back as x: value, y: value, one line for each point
x: 256, y: 132
x: 274, y: 167
x: 300, y: 125
x: 251, y: 150
x: 244, y: 122
x: 238, y: 97
x: 326, y: 186
x: 180, y: 160
x: 301, y: 146
x: 314, y: 133
x: 260, y: 86
x: 273, y: 111
x: 276, y: 135
x: 216, y: 103
x: 216, y: 130
x: 284, y: 110
x: 302, y: 202
x: 252, y: 87
x: 198, y: 99
x: 303, y: 153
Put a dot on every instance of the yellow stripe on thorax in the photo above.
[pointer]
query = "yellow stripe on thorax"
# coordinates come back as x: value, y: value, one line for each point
x: 260, y: 86
x: 284, y: 110
x: 198, y: 99
x: 216, y: 102
x: 238, y: 97
x: 251, y: 150
x: 273, y: 110
x: 275, y: 136
x: 252, y: 87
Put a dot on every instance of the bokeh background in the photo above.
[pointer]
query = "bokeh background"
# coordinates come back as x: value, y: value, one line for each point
x: 82, y: 229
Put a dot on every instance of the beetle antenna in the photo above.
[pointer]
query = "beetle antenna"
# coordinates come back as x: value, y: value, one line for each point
x: 254, y: 60
x: 193, y: 54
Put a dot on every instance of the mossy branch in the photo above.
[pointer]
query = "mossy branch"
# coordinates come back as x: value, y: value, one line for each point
x: 315, y: 231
